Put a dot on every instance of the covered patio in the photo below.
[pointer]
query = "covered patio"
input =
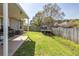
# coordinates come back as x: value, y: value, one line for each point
x: 13, y: 44
x: 12, y: 18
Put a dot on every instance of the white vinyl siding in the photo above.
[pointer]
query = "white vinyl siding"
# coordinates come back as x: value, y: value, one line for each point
x: 15, y: 24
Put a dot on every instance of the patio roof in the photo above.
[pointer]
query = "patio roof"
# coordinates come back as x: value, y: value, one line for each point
x: 7, y: 11
x: 15, y: 11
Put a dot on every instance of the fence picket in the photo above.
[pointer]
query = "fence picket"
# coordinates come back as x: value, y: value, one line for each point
x: 68, y: 33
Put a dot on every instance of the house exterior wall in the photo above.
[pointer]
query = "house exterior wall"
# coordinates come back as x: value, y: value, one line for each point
x: 14, y: 24
x: 0, y: 23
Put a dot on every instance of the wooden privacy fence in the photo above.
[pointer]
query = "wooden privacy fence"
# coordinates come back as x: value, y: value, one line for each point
x: 68, y: 33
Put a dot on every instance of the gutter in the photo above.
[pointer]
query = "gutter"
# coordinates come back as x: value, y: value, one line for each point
x: 22, y: 9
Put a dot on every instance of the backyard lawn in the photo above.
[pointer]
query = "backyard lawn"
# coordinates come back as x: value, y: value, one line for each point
x: 39, y: 44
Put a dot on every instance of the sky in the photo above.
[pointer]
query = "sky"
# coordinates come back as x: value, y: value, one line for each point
x: 71, y: 10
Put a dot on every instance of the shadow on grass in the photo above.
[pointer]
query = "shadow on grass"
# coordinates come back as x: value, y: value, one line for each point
x: 27, y: 48
x: 48, y: 34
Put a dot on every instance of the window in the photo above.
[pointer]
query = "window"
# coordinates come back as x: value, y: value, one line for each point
x: 1, y: 22
x: 20, y: 24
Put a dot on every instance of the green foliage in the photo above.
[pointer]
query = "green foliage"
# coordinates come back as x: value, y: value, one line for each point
x: 76, y: 22
x: 48, y: 20
x: 47, y: 16
x: 36, y: 21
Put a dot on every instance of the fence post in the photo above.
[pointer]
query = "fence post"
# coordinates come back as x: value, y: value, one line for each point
x: 66, y: 33
x: 69, y: 34
x: 73, y: 34
x: 63, y: 33
x: 77, y: 34
x: 59, y: 31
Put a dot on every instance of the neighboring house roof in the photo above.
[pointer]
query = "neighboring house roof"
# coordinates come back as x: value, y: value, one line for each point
x: 14, y: 11
x: 55, y: 24
x: 67, y: 24
x: 63, y: 24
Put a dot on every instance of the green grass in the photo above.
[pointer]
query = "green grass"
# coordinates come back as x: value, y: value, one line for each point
x: 43, y: 45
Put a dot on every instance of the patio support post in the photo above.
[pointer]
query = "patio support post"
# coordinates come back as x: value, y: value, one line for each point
x: 28, y: 25
x: 5, y: 29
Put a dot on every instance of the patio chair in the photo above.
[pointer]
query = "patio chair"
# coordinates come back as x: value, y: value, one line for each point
x: 11, y: 32
x: 1, y: 37
x: 18, y: 32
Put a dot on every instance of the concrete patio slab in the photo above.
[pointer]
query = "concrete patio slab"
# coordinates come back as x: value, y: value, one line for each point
x: 1, y: 50
x: 14, y: 43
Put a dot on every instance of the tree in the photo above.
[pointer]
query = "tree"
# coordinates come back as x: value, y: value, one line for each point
x: 47, y: 16
x: 54, y: 11
x: 48, y: 21
x: 37, y: 20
